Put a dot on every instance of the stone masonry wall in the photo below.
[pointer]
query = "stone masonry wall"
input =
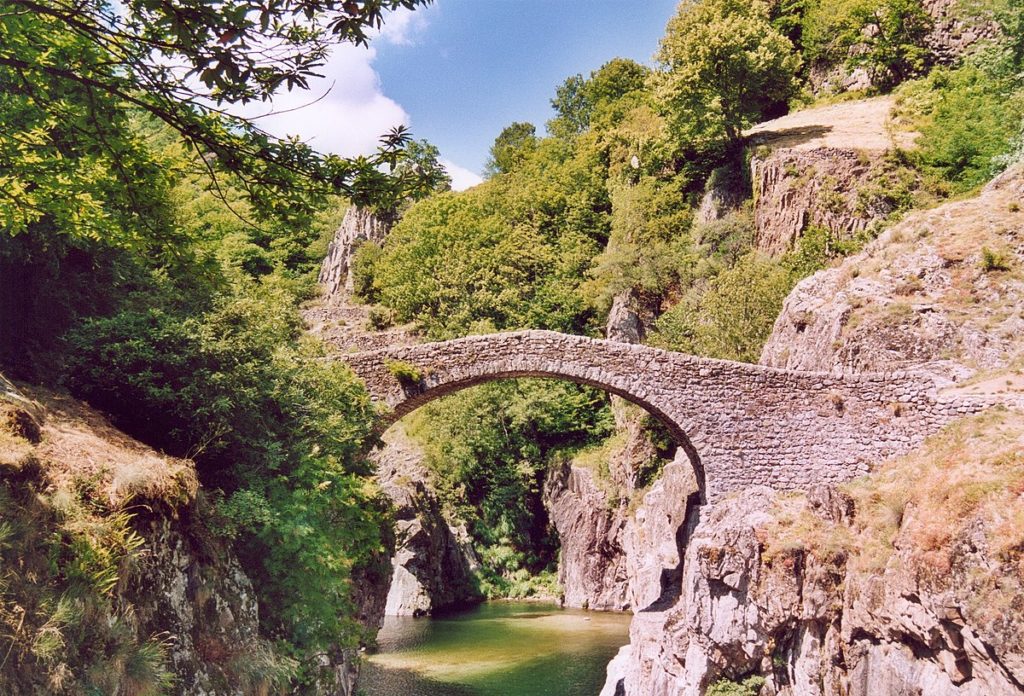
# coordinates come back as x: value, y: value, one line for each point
x: 741, y: 424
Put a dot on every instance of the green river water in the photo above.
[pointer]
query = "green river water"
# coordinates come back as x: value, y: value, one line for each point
x: 496, y: 649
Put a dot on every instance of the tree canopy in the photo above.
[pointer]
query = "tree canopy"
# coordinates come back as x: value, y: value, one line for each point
x: 725, y: 67
x: 82, y: 68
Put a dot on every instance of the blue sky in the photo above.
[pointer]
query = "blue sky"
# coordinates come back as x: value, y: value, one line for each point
x: 459, y: 71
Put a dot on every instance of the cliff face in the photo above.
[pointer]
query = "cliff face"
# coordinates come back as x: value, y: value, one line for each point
x: 145, y: 594
x: 942, y: 288
x: 434, y: 562
x: 590, y: 523
x: 821, y: 594
x: 824, y: 167
x: 359, y: 225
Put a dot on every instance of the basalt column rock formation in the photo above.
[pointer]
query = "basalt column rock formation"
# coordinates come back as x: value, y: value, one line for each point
x: 816, y: 168
x: 741, y: 424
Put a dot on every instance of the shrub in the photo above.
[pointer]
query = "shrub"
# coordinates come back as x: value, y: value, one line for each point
x: 732, y: 315
x: 269, y: 423
x: 380, y: 318
x: 750, y: 686
x: 407, y: 375
x: 994, y: 260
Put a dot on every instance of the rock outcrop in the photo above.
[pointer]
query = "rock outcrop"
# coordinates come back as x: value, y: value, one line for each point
x: 179, y: 601
x: 940, y: 290
x: 811, y: 623
x: 590, y: 523
x: 359, y: 225
x: 953, y: 34
x: 434, y: 562
x: 823, y: 167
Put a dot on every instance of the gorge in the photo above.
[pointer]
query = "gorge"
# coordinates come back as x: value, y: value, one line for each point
x: 713, y: 385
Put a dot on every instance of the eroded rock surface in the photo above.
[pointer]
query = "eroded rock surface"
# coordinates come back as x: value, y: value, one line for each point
x: 359, y: 225
x: 941, y: 290
x: 819, y: 167
x: 434, y: 562
x: 813, y: 626
x: 590, y: 522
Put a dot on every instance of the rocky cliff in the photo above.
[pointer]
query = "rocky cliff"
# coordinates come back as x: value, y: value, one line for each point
x: 145, y: 596
x: 590, y: 522
x: 434, y: 563
x: 910, y: 581
x: 827, y: 168
x: 907, y: 582
x: 941, y: 290
x: 359, y: 225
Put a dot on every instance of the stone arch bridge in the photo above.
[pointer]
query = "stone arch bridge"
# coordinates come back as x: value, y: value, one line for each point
x: 740, y: 424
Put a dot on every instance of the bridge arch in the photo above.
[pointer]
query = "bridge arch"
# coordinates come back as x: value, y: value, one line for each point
x: 740, y: 424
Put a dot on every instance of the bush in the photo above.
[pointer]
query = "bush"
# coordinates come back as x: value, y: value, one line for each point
x: 994, y: 260
x: 380, y: 318
x: 751, y: 686
x: 969, y: 121
x: 364, y: 269
x: 278, y: 430
x: 730, y: 316
x: 885, y: 37
x: 407, y: 375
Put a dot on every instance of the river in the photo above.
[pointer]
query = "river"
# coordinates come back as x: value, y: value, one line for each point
x: 496, y: 649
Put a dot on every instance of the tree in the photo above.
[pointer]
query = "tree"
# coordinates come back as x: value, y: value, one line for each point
x: 884, y: 37
x: 576, y: 100
x: 511, y: 146
x: 887, y: 39
x: 423, y: 159
x: 725, y: 66
x: 79, y: 64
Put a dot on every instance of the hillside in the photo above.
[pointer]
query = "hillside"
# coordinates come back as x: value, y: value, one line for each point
x: 111, y: 579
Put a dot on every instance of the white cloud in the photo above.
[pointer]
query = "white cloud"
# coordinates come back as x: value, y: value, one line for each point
x: 346, y: 111
x: 402, y: 25
x: 462, y: 178
x: 350, y: 119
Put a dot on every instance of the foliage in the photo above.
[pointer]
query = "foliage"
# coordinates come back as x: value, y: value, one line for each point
x: 751, y: 686
x: 489, y: 448
x: 885, y: 37
x: 379, y: 318
x: 969, y: 119
x: 140, y: 55
x: 726, y: 66
x: 64, y: 551
x: 732, y: 315
x: 994, y: 260
x: 512, y: 145
x: 405, y: 373
x: 650, y: 222
x: 504, y: 255
x: 270, y: 424
x: 579, y: 102
x: 364, y: 268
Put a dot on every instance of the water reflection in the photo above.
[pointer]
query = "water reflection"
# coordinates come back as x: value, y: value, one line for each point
x: 497, y: 649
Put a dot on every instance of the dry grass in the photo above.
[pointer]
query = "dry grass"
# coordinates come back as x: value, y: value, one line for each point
x: 926, y: 509
x: 970, y: 474
x: 80, y: 449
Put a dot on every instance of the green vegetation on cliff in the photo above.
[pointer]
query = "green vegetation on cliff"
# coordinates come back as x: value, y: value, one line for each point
x: 153, y: 256
x: 607, y: 206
